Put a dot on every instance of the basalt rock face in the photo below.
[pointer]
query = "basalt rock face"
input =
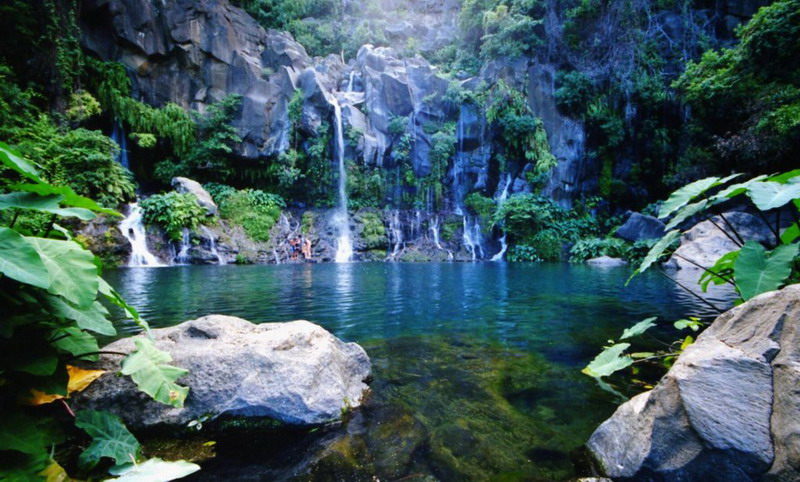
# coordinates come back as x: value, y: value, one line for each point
x: 294, y: 372
x: 194, y: 53
x: 727, y: 410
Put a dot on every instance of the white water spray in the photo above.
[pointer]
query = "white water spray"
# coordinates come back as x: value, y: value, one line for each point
x: 132, y: 228
x: 183, y: 252
x: 503, y: 248
x: 212, y: 244
x: 472, y: 238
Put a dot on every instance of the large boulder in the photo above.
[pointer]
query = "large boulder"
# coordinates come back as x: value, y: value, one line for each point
x: 707, y: 241
x: 204, y: 199
x: 640, y: 227
x: 727, y: 410
x: 295, y: 372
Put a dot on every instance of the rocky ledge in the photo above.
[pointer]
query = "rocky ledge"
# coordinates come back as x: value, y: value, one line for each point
x: 727, y: 410
x: 295, y: 372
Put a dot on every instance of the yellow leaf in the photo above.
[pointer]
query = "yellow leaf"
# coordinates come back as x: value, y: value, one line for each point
x: 79, y: 379
x: 54, y: 473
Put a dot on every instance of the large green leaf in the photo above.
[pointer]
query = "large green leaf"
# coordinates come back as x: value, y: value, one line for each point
x: 734, y: 190
x: 12, y: 159
x: 686, y: 194
x: 154, y: 470
x: 757, y: 271
x: 791, y: 233
x: 110, y: 439
x: 772, y: 195
x: 114, y: 297
x: 609, y: 361
x: 76, y: 342
x: 48, y: 204
x: 70, y: 198
x: 638, y: 328
x: 19, y: 260
x: 787, y: 177
x: 656, y: 252
x: 93, y: 318
x: 148, y: 367
x: 73, y: 273
x: 686, y: 212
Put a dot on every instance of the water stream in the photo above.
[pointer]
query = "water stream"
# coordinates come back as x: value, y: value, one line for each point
x: 132, y: 227
x: 212, y: 244
x: 341, y: 219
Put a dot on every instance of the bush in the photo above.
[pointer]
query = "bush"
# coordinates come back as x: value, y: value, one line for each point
x: 374, y: 234
x: 174, y: 212
x: 589, y: 248
x: 256, y: 211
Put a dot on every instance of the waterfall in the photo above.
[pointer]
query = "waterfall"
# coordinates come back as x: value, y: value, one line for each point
x: 396, y: 232
x: 118, y: 136
x: 212, y: 244
x: 503, y: 249
x: 472, y: 238
x: 505, y: 181
x: 183, y: 253
x: 458, y: 164
x: 277, y: 258
x: 435, y: 232
x: 344, y: 248
x: 350, y: 83
x: 133, y: 229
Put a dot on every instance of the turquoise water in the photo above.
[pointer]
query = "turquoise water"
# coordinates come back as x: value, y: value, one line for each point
x: 476, y: 365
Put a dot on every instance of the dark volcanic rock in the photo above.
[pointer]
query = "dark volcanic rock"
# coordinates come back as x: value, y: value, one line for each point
x: 639, y: 227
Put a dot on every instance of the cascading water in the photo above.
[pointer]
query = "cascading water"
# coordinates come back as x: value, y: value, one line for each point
x: 396, y: 233
x: 503, y: 249
x: 344, y: 245
x: 118, y: 136
x: 275, y: 255
x: 435, y: 232
x: 212, y: 244
x: 350, y: 83
x: 472, y: 238
x: 132, y: 228
x: 183, y: 253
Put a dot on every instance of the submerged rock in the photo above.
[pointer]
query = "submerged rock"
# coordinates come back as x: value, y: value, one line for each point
x: 295, y: 372
x: 727, y: 410
x: 606, y: 261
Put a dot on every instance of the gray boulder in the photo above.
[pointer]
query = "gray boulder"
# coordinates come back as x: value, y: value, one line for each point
x: 706, y: 242
x: 607, y: 261
x: 727, y: 410
x: 640, y: 227
x: 294, y: 372
x: 186, y: 185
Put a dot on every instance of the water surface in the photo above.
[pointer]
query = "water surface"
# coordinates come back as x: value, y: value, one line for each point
x: 476, y: 365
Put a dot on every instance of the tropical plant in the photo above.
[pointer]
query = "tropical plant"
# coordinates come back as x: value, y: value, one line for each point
x: 752, y: 269
x: 51, y: 292
x: 256, y: 211
x: 174, y: 212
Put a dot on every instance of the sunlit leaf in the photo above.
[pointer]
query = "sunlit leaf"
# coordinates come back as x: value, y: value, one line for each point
x: 734, y: 190
x: 772, y: 195
x: 154, y: 470
x: 110, y: 439
x: 656, y: 252
x: 54, y: 473
x: 69, y: 197
x: 638, y: 328
x: 686, y: 194
x: 20, y: 261
x: 787, y: 177
x: 73, y: 273
x: 48, y: 204
x: 79, y: 379
x: 686, y: 342
x: 93, y: 318
x: 609, y: 361
x: 790, y: 234
x: 148, y: 367
x: 13, y: 159
x: 758, y: 272
x: 686, y: 212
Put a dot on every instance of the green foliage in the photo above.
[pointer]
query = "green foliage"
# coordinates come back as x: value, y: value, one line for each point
x: 374, y: 233
x: 757, y: 271
x: 481, y: 205
x: 82, y: 106
x: 174, y: 212
x: 110, y: 439
x: 254, y: 210
x: 365, y: 186
x: 149, y: 368
x: 609, y: 361
x: 746, y: 98
x: 51, y: 288
x: 590, y: 248
x: 574, y: 92
x: 219, y: 192
x: 509, y: 32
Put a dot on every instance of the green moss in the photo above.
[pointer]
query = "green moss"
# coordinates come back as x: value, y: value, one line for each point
x: 374, y: 232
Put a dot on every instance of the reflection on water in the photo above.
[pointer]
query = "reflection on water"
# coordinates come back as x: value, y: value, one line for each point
x: 471, y: 361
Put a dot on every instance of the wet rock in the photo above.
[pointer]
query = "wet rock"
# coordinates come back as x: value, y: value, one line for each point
x: 640, y: 227
x: 294, y: 372
x: 727, y: 410
x: 707, y: 241
x: 607, y: 261
x: 186, y: 185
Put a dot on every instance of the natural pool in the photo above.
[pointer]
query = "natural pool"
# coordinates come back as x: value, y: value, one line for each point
x: 476, y: 365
